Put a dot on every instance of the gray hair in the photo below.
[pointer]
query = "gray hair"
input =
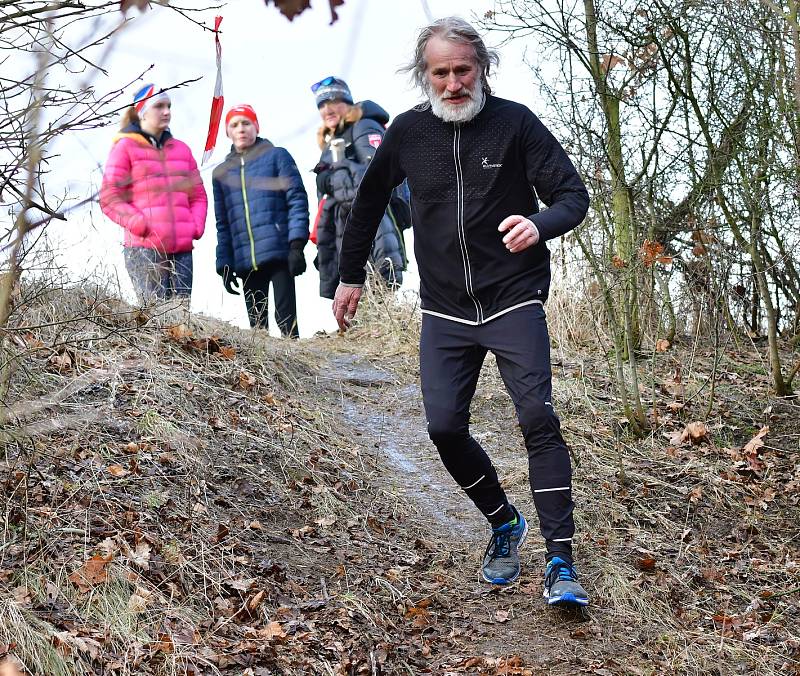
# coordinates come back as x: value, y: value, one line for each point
x: 454, y: 29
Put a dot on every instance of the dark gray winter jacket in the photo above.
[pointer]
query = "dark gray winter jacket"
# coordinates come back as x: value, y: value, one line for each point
x: 363, y: 132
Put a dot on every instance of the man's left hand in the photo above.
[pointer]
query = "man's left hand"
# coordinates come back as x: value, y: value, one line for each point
x: 521, y: 234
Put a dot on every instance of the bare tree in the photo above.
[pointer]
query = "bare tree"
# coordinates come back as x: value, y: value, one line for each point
x: 665, y: 108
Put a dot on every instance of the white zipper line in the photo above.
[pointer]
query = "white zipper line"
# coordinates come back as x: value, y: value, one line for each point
x: 462, y: 235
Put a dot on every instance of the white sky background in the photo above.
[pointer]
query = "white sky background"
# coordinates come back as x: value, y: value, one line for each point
x: 270, y: 63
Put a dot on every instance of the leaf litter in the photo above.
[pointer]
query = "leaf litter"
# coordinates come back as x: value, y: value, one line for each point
x: 248, y: 528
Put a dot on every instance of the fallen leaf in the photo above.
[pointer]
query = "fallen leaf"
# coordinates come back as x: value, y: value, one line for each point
x: 179, y: 331
x: 256, y: 601
x: 141, y: 555
x: 222, y: 532
x: 241, y: 584
x: 22, y: 595
x: 108, y: 547
x: 227, y: 352
x: 117, y: 471
x: 139, y: 600
x: 646, y: 563
x: 752, y: 446
x: 62, y: 361
x: 91, y: 573
x: 272, y: 630
x: 164, y: 644
x: 662, y: 345
x: 325, y: 520
x: 695, y: 494
x: 83, y: 644
x: 246, y: 381
x: 501, y: 616
x: 694, y: 432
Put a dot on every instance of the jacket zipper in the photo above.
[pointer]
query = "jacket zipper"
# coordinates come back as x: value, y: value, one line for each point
x: 247, y: 217
x: 162, y: 156
x: 462, y: 235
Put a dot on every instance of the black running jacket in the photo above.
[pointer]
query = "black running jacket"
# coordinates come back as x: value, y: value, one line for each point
x: 465, y: 178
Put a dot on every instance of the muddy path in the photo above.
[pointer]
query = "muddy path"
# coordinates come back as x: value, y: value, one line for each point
x: 488, y: 628
x: 387, y: 417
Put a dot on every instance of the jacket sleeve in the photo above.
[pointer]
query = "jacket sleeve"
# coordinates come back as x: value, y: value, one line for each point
x: 296, y: 198
x: 115, y: 192
x: 555, y: 179
x: 198, y: 200
x: 365, y: 133
x: 382, y: 175
x: 224, y: 240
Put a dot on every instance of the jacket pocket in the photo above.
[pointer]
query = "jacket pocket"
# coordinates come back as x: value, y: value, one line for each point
x: 138, y: 225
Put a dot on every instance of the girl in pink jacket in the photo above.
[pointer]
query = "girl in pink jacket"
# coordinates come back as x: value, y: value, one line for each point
x: 152, y: 188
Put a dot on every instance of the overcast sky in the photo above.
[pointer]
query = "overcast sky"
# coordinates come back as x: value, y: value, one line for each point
x: 269, y: 63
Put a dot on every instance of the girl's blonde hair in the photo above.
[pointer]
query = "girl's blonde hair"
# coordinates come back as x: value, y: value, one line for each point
x: 129, y: 116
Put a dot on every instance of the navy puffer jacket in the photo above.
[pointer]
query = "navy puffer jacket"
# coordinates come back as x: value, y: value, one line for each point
x: 260, y: 206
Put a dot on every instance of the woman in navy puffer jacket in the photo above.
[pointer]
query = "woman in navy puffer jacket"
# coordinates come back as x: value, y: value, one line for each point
x: 261, y: 209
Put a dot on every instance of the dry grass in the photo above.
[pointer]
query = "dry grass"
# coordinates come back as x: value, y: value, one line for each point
x: 691, y: 552
x: 252, y: 520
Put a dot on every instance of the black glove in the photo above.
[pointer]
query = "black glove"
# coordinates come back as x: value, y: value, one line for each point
x: 297, y: 261
x: 324, y: 182
x: 230, y: 280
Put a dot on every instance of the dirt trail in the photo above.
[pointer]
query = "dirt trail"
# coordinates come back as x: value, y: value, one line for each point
x: 388, y: 417
x: 511, y: 626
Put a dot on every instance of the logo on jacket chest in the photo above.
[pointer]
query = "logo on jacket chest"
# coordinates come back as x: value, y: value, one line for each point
x: 485, y: 164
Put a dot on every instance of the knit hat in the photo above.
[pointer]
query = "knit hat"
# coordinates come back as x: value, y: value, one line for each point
x: 146, y: 97
x: 244, y: 110
x: 331, y: 89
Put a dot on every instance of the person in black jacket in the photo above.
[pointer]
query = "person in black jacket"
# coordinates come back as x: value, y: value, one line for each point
x: 360, y: 128
x: 475, y: 165
x: 261, y: 209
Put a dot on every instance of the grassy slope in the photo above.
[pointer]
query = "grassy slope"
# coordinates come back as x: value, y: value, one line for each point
x: 239, y: 522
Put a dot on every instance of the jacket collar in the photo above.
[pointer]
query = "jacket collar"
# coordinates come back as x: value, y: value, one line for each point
x: 134, y: 131
x: 260, y: 146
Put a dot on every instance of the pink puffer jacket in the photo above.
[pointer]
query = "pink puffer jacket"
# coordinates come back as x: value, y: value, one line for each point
x: 157, y: 195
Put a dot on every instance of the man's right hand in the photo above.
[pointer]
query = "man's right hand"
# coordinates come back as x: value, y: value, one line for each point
x: 230, y: 281
x: 345, y: 304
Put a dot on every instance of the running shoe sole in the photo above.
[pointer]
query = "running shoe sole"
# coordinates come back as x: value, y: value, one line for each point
x: 568, y: 599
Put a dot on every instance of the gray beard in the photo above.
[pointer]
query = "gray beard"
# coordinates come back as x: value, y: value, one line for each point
x: 449, y: 113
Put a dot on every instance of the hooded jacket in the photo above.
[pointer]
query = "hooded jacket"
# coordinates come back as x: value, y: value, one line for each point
x: 465, y: 179
x: 154, y: 191
x: 363, y: 130
x: 260, y: 206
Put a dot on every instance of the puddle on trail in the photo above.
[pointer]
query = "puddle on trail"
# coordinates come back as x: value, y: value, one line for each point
x: 392, y: 424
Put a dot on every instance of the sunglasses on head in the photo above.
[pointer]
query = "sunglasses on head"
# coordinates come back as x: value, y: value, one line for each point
x: 325, y: 82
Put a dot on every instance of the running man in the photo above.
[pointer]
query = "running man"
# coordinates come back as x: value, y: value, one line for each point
x: 475, y: 164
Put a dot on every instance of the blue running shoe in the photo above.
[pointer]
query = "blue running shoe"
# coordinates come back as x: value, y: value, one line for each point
x: 501, y: 559
x: 561, y: 586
